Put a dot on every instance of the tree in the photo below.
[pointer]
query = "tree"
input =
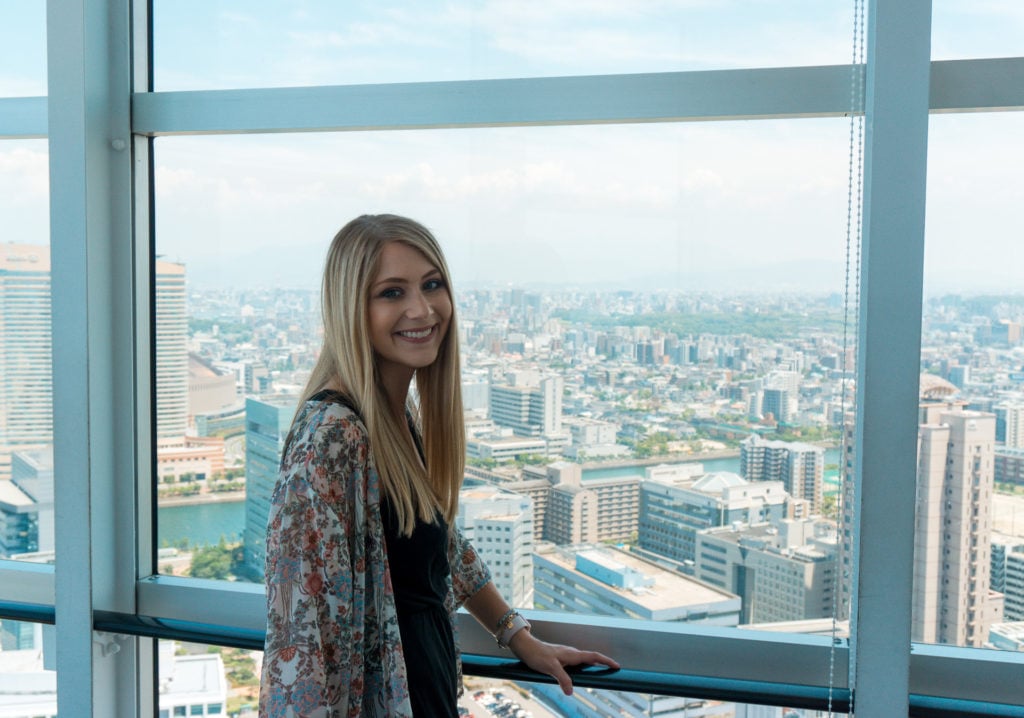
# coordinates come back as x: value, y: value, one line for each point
x: 212, y: 561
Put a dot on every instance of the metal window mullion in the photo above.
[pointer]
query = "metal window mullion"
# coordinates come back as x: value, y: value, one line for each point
x: 93, y: 377
x: 896, y: 144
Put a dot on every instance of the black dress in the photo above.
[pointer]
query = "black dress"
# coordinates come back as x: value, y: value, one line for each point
x: 419, y: 572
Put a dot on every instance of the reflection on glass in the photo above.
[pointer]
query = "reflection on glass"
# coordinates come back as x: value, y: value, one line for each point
x: 23, y: 50
x: 26, y: 389
x: 969, y: 544
x: 28, y: 671
x: 199, y: 680
x: 653, y: 361
x: 218, y: 45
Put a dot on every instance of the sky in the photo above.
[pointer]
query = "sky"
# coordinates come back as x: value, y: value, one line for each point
x: 731, y: 206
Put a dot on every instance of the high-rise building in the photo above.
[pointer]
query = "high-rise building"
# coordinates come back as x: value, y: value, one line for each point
x: 171, y: 351
x: 26, y: 385
x: 1012, y: 416
x: 500, y: 525
x: 783, y: 572
x: 674, y: 507
x: 952, y: 542
x: 600, y: 510
x: 528, y: 404
x: 267, y: 421
x: 800, y: 467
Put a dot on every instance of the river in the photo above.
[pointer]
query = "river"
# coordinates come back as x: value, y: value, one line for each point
x: 205, y: 523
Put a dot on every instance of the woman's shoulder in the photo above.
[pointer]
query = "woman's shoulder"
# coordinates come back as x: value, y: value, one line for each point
x: 328, y: 412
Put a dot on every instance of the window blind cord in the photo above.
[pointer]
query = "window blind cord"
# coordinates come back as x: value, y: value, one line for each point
x: 851, y: 310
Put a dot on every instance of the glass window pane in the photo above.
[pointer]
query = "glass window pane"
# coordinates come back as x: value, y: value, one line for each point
x: 201, y: 680
x: 679, y: 288
x: 969, y: 560
x: 962, y: 29
x: 28, y: 669
x: 26, y: 393
x: 23, y: 50
x: 214, y: 45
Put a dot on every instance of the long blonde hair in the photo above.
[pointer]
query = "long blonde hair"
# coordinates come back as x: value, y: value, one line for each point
x: 347, y: 355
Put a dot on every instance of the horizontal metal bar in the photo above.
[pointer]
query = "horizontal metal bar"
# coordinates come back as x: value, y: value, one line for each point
x: 668, y: 684
x: 172, y: 629
x: 654, y: 682
x: 22, y: 117
x: 26, y: 582
x: 977, y: 85
x: 956, y: 86
x: 654, y: 97
x: 932, y: 707
x: 216, y: 603
x: 939, y: 671
x: 31, y: 612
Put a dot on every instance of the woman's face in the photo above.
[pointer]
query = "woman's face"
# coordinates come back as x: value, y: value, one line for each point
x: 409, y: 311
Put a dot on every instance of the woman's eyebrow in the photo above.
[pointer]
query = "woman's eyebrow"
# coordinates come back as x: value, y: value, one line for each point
x: 403, y: 280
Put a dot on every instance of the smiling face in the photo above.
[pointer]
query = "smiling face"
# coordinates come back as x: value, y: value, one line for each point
x: 409, y: 312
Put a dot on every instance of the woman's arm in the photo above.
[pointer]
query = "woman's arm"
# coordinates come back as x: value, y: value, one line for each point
x: 488, y: 607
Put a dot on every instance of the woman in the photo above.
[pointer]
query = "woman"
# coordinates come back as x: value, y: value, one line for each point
x: 365, y: 568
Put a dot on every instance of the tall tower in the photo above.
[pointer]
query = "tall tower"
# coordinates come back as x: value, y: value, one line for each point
x: 800, y: 467
x: 954, y: 524
x: 26, y: 381
x: 267, y: 421
x: 171, y: 351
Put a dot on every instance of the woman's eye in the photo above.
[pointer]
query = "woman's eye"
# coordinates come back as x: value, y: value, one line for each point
x: 433, y: 284
x: 391, y: 293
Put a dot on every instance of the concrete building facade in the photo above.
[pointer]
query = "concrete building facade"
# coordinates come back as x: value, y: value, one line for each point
x: 952, y: 542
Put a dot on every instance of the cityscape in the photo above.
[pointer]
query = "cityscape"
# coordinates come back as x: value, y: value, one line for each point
x: 656, y: 455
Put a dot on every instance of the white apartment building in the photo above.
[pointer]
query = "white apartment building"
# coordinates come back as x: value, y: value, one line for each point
x: 501, y: 527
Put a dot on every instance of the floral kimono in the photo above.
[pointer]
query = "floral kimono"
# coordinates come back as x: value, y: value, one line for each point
x: 333, y: 644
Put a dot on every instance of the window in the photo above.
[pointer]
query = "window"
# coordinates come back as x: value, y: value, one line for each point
x: 200, y: 45
x: 122, y: 421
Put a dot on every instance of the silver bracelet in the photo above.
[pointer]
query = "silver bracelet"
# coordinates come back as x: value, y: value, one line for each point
x: 509, y: 627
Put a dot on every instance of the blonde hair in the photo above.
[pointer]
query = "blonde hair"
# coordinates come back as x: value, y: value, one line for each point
x: 347, y: 356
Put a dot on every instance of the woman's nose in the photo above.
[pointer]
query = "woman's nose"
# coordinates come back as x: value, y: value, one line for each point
x: 418, y: 306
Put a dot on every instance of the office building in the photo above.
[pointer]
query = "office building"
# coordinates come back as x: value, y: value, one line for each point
x: 1010, y: 424
x: 1010, y: 561
x: 528, y: 404
x: 267, y: 421
x: 800, y: 467
x: 606, y: 581
x: 782, y: 572
x: 500, y: 525
x: 675, y: 506
x: 26, y: 504
x: 1009, y: 466
x: 172, y: 367
x: 26, y: 388
x: 952, y: 542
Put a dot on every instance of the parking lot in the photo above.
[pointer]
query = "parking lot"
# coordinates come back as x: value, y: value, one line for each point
x: 491, y: 698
